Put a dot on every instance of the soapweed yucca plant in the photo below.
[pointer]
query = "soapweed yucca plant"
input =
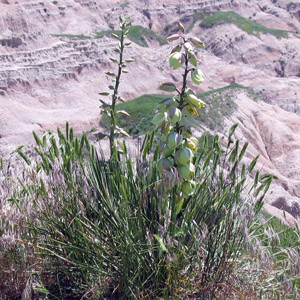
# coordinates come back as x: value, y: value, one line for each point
x: 169, y: 223
x: 108, y: 232
x: 184, y: 210
x: 178, y: 146
x: 207, y: 189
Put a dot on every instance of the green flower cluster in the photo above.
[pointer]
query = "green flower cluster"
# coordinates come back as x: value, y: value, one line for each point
x: 178, y: 146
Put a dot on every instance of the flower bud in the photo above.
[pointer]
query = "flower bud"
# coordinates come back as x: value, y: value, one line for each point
x: 193, y: 58
x: 197, y: 76
x: 193, y: 100
x: 164, y: 164
x: 174, y: 139
x: 174, y: 115
x: 187, y: 46
x: 173, y: 37
x: 159, y: 119
x: 183, y: 156
x: 167, y: 152
x: 188, y: 188
x: 189, y: 91
x: 187, y: 171
x: 180, y: 26
x: 198, y: 43
x: 175, y: 60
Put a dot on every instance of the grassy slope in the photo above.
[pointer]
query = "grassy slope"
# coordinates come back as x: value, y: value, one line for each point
x: 137, y: 34
x: 250, y: 26
x: 210, y: 19
x: 142, y: 110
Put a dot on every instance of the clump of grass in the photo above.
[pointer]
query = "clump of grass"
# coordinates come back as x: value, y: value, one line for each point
x: 243, y: 23
x: 140, y: 35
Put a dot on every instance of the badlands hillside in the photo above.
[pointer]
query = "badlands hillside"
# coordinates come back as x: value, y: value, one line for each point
x: 53, y: 55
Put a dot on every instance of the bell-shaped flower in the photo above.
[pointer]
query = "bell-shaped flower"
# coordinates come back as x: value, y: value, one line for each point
x: 175, y: 60
x: 164, y: 164
x: 174, y: 115
x: 195, y: 101
x: 159, y: 119
x: 187, y: 171
x: 197, y: 76
x: 164, y: 150
x: 174, y: 140
x: 183, y: 156
x: 188, y: 188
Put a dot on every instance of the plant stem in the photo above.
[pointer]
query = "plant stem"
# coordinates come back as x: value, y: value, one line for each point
x: 115, y: 97
x: 184, y: 84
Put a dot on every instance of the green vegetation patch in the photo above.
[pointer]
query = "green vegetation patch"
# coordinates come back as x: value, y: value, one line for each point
x: 103, y: 33
x: 141, y: 112
x: 250, y: 26
x: 142, y: 109
x: 137, y: 34
x: 73, y: 36
x: 191, y: 20
x: 124, y: 4
x: 198, y: 16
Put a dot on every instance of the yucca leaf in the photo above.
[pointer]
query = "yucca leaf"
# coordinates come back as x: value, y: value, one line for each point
x: 24, y: 156
x: 161, y: 243
x: 37, y: 139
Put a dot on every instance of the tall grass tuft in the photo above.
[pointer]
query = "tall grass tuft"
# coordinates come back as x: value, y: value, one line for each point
x: 106, y: 230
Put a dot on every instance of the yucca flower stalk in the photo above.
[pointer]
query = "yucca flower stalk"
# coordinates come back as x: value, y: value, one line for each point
x: 178, y: 145
x: 110, y: 109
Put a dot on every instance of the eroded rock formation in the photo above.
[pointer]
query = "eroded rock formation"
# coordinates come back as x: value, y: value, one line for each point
x: 52, y: 67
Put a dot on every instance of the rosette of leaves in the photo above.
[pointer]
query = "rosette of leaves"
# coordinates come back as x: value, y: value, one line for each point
x: 110, y: 109
x: 178, y: 146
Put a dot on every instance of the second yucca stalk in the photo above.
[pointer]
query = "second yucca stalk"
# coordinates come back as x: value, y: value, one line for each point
x: 125, y: 25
